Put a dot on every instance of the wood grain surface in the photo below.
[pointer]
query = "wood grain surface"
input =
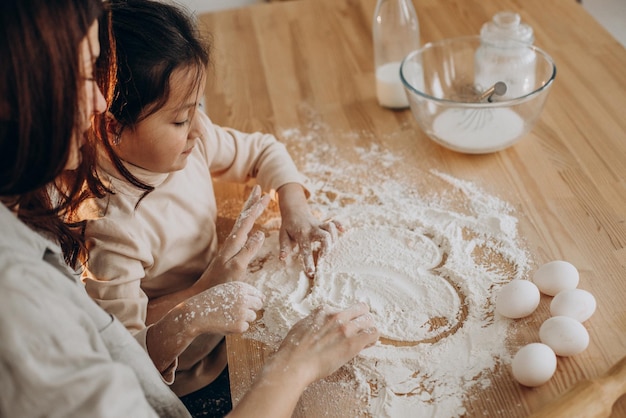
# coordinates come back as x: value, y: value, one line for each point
x: 287, y: 65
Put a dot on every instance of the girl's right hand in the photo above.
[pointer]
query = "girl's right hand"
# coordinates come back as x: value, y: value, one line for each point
x: 227, y: 308
x: 239, y: 248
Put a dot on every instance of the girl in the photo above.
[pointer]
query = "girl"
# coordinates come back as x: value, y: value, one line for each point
x: 153, y: 241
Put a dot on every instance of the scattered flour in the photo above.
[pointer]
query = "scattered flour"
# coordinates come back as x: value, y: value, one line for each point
x: 426, y: 261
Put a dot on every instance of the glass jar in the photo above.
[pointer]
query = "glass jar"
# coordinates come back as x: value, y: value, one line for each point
x: 504, y: 55
x: 395, y: 34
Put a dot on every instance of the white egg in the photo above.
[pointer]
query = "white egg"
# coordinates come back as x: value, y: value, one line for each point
x: 575, y: 303
x: 565, y: 335
x: 517, y: 299
x: 556, y: 276
x: 534, y: 364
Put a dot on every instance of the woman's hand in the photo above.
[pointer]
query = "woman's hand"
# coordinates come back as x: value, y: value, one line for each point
x: 321, y: 343
x: 300, y: 228
x: 314, y: 348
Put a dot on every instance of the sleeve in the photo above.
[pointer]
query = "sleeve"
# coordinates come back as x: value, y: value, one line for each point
x: 168, y: 375
x: 52, y: 363
x: 115, y: 268
x: 237, y: 157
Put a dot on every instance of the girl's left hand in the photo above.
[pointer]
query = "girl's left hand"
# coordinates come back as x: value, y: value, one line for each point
x: 300, y: 228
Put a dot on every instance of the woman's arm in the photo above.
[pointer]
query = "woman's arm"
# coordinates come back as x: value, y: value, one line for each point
x: 52, y: 347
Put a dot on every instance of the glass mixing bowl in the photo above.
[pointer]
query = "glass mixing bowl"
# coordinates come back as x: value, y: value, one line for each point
x: 445, y: 79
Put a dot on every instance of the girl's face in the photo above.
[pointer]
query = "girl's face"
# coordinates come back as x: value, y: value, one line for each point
x: 91, y: 99
x: 162, y: 142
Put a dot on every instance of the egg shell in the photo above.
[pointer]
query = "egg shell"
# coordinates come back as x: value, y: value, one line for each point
x: 556, y: 276
x: 575, y: 303
x: 517, y: 299
x: 534, y: 364
x: 565, y: 335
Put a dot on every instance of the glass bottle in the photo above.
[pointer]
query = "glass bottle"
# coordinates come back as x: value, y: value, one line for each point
x: 504, y: 55
x: 396, y: 33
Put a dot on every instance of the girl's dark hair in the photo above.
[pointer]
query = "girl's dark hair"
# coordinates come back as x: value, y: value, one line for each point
x: 40, y: 114
x: 142, y: 43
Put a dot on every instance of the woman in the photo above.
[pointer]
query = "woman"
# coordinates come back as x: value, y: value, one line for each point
x: 62, y: 355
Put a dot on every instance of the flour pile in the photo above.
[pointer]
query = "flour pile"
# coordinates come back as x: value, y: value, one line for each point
x: 428, y: 262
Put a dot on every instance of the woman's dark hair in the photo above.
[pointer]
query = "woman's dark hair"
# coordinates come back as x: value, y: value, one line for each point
x: 142, y: 43
x: 40, y: 114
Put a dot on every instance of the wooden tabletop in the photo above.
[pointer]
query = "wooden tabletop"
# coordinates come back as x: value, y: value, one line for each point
x: 276, y: 64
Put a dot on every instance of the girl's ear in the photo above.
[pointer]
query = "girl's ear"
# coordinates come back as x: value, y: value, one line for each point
x: 112, y: 125
x: 114, y: 128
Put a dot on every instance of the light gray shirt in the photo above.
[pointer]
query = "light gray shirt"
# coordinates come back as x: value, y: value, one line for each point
x: 61, y: 355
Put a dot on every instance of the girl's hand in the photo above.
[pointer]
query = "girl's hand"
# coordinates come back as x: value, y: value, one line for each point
x: 227, y: 308
x: 300, y: 228
x: 210, y: 305
x: 238, y: 250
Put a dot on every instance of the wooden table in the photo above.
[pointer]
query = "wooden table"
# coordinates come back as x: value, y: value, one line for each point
x: 272, y: 62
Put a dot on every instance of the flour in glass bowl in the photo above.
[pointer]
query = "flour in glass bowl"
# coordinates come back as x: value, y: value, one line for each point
x: 427, y: 262
x: 478, y: 130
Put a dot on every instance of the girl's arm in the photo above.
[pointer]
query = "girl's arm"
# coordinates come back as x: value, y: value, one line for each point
x: 207, y: 307
x: 224, y: 309
x: 230, y: 263
x: 237, y: 157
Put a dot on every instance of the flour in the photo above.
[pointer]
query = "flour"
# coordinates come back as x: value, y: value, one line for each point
x: 427, y: 262
x: 478, y: 130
